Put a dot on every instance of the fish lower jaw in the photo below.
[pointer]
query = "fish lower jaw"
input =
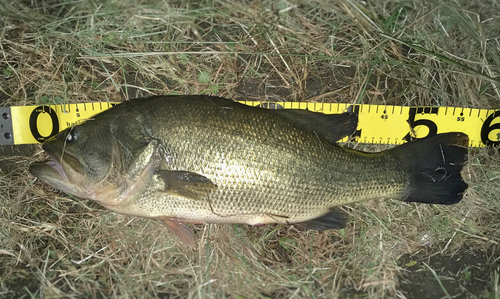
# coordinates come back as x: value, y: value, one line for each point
x: 55, y: 165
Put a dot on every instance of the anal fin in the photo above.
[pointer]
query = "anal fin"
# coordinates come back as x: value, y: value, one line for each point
x: 334, y: 219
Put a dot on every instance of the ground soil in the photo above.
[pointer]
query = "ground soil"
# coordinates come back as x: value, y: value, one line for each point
x: 465, y: 273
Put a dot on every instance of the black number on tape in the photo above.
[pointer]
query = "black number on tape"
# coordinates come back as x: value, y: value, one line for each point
x: 422, y: 122
x: 488, y: 127
x: 33, y: 122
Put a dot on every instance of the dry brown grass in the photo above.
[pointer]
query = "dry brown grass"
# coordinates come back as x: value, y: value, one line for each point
x: 400, y: 53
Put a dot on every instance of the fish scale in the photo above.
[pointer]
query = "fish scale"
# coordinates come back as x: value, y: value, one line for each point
x: 203, y: 159
x: 300, y: 173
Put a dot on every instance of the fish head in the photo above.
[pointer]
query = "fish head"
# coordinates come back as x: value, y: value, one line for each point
x: 90, y: 161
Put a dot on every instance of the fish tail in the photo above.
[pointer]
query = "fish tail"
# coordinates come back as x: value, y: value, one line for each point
x: 434, y: 164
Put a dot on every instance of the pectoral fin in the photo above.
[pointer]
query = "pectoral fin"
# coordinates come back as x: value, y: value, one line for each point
x: 334, y: 219
x: 186, y: 184
x: 182, y: 231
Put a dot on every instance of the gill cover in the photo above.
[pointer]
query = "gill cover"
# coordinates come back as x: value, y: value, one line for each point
x: 103, y: 159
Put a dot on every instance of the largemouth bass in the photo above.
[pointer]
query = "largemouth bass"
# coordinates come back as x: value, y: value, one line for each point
x: 204, y: 159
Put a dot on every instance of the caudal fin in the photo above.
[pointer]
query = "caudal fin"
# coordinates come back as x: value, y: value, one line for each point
x: 435, y: 164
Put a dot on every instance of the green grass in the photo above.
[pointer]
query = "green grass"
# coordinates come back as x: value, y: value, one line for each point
x: 395, y: 53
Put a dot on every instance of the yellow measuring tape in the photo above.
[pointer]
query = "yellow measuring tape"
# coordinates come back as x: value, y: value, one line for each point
x: 380, y: 124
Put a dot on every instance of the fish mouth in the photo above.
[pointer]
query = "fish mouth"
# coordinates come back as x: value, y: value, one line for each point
x: 63, y: 173
x: 48, y: 169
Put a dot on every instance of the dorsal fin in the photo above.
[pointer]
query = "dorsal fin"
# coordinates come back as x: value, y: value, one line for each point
x: 331, y: 127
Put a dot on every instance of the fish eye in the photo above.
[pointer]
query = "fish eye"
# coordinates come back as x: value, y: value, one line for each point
x: 72, y: 135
